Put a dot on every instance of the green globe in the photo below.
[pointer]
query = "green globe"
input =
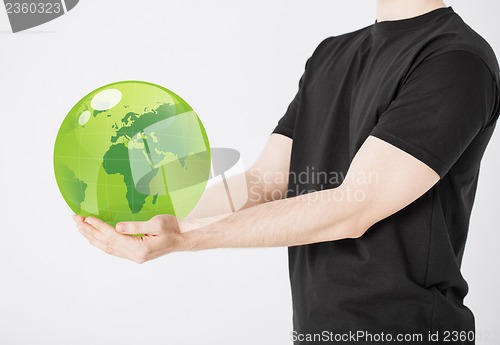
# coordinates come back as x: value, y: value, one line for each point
x: 129, y: 151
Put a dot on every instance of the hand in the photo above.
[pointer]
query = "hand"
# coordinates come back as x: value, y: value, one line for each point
x: 161, y: 235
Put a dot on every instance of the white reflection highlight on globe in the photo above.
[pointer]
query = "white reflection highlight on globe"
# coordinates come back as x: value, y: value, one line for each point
x: 84, y: 117
x: 106, y: 99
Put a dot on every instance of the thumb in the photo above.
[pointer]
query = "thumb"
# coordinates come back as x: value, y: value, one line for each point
x: 132, y: 228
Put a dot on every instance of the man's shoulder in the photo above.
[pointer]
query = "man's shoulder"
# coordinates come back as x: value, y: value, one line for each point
x: 457, y: 36
x: 484, y: 50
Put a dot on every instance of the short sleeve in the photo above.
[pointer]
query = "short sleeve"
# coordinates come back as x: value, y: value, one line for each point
x: 443, y: 104
x: 286, y: 124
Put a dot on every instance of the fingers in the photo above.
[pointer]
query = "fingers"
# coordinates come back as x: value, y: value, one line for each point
x: 101, y: 242
x: 121, y: 246
x: 77, y: 218
x: 98, y: 232
x: 120, y: 242
x: 100, y: 225
x: 93, y: 235
x: 133, y: 228
x: 157, y: 225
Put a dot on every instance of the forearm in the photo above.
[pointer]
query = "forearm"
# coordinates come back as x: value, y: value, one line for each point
x: 381, y: 181
x: 200, y: 223
x: 305, y: 219
x: 238, y: 192
x: 215, y: 199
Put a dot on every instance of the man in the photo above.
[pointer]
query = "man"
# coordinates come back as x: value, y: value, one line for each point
x: 402, y: 110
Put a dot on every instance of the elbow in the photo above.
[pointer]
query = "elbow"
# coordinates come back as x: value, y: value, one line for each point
x: 357, y: 227
x: 348, y: 228
x: 356, y: 233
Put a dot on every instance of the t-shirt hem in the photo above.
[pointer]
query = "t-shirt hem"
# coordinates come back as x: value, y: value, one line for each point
x: 431, y: 161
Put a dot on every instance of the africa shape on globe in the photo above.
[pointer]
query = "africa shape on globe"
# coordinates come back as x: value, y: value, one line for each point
x: 129, y: 151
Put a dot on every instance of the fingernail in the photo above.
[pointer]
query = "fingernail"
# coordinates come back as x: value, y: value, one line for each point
x: 120, y: 227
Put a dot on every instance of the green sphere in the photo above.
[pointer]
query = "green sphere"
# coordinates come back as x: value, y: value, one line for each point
x: 129, y: 151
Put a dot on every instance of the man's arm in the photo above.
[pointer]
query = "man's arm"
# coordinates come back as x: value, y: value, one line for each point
x: 381, y: 180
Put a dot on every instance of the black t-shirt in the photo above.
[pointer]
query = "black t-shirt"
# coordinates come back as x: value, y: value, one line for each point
x: 428, y: 85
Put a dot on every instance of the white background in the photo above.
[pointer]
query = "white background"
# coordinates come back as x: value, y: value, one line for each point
x: 237, y: 63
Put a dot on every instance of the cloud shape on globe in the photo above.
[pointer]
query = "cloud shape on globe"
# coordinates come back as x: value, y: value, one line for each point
x: 129, y: 151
